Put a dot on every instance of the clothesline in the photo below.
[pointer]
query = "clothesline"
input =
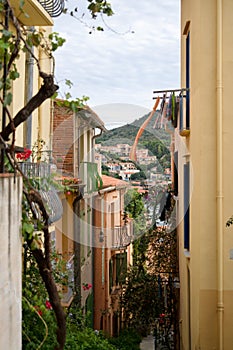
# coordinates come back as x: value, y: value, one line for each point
x: 170, y: 90
x: 170, y: 110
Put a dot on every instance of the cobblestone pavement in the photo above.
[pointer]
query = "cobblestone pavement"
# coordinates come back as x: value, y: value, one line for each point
x: 147, y: 343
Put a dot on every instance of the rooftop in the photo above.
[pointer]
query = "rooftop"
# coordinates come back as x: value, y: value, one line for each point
x: 109, y: 181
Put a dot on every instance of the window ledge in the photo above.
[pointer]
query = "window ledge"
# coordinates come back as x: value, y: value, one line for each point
x: 185, y: 132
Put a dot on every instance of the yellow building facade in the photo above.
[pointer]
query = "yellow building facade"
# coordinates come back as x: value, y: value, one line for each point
x: 204, y: 142
x: 39, y: 125
x: 22, y: 89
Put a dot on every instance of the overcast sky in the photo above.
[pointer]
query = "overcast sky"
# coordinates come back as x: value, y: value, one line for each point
x: 120, y: 67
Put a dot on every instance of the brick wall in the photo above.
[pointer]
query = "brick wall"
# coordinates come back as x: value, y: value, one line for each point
x: 63, y: 136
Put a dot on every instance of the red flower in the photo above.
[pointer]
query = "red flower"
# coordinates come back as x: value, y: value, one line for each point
x: 38, y: 310
x: 48, y: 305
x: 86, y: 286
x: 24, y: 155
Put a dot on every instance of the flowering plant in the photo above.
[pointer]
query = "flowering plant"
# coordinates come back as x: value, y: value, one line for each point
x: 86, y: 286
x: 24, y: 155
x: 48, y: 305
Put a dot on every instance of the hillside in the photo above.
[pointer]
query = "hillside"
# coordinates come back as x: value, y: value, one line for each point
x: 128, y: 132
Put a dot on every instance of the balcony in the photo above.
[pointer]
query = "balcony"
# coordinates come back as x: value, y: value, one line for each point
x: 122, y: 236
x: 40, y: 173
x: 53, y: 7
x: 38, y: 12
x: 88, y: 173
x: 35, y: 170
x: 67, y: 291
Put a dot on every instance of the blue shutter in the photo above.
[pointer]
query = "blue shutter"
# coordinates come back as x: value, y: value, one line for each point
x: 187, y: 80
x: 186, y: 205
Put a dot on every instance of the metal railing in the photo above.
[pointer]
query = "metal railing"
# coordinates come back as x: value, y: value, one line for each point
x: 122, y: 236
x: 41, y: 172
x: 37, y: 170
x: 53, y: 7
x: 68, y: 291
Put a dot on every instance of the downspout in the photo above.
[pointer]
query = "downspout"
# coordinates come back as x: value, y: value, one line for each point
x: 97, y: 135
x: 29, y: 93
x: 5, y: 72
x: 39, y: 109
x: 77, y: 254
x: 219, y: 161
x: 51, y: 116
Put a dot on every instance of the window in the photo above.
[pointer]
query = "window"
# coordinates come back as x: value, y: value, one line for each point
x: 118, y: 270
x: 175, y: 180
x: 186, y: 205
x: 185, y: 93
x: 187, y: 80
x: 110, y: 275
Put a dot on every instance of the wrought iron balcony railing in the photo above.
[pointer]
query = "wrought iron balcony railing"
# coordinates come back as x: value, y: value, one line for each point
x: 68, y: 291
x: 53, y: 7
x: 122, y: 236
x: 41, y: 172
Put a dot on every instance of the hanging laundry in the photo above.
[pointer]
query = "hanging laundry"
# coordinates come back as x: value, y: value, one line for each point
x: 141, y: 130
x: 163, y: 119
x: 176, y: 112
x: 173, y: 105
x: 156, y: 121
x: 163, y: 103
x: 169, y: 108
x: 181, y: 110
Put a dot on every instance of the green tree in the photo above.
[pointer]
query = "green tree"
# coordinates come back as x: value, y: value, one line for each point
x: 105, y: 170
x: 149, y: 290
x: 134, y: 205
x: 138, y: 176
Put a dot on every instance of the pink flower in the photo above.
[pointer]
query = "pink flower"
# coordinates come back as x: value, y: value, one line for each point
x: 68, y: 193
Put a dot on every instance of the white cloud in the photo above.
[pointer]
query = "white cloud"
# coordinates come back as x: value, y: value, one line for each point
x: 122, y: 68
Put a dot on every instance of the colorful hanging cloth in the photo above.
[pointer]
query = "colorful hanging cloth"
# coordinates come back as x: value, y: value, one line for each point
x: 181, y: 110
x: 169, y: 108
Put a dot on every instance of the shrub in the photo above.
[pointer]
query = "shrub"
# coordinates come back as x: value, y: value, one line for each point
x: 128, y: 339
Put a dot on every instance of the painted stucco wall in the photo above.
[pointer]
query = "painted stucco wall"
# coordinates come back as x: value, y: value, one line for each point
x: 41, y: 117
x: 10, y: 262
x: 208, y: 260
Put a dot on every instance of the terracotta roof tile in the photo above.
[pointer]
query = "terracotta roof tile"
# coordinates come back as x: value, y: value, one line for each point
x: 112, y: 181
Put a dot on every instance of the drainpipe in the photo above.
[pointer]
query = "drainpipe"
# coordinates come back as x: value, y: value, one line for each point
x: 5, y: 72
x: 219, y: 165
x: 51, y: 115
x: 29, y: 93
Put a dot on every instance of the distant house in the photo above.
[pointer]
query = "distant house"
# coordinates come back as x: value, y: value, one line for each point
x: 74, y: 154
x: 112, y: 253
x: 114, y: 167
